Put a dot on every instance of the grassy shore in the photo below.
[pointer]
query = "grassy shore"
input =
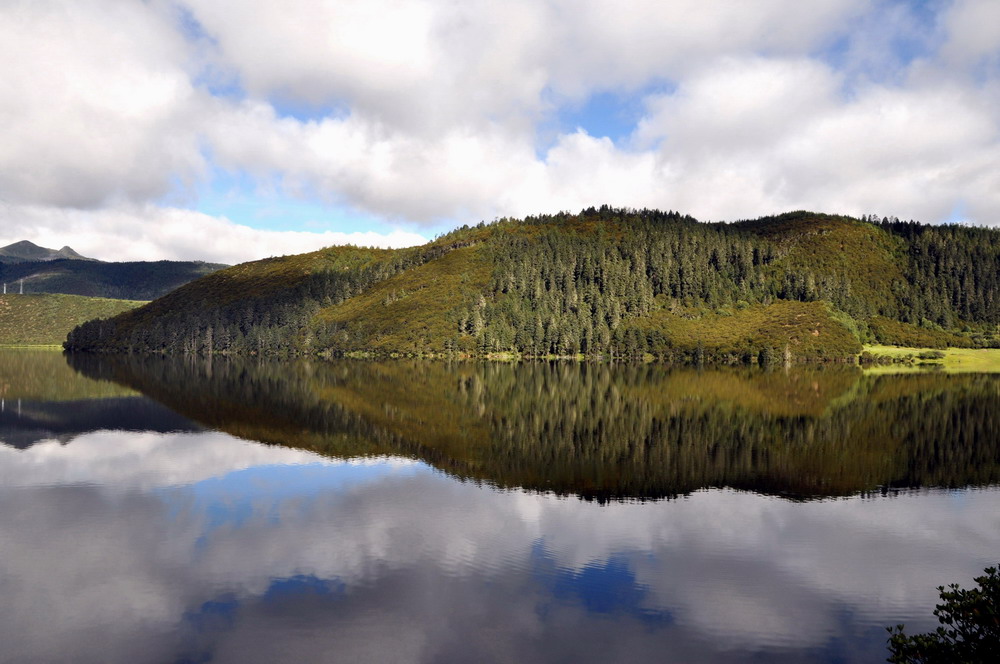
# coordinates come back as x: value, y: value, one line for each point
x: 954, y: 360
x: 31, y: 347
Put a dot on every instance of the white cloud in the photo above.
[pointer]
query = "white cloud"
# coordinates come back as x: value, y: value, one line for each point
x: 425, y: 64
x: 973, y: 28
x: 148, y: 461
x: 743, y: 134
x: 455, y: 174
x: 95, y: 104
x: 150, y: 232
x: 752, y: 137
x: 430, y: 111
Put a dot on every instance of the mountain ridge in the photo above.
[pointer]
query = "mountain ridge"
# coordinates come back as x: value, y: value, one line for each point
x: 25, y: 251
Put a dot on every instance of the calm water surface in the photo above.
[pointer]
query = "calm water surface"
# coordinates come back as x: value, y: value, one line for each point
x: 226, y: 511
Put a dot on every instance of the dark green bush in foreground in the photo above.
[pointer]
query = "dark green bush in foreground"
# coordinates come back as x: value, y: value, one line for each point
x: 969, y: 631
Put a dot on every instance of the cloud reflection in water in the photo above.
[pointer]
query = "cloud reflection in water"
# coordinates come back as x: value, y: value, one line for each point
x: 187, y: 547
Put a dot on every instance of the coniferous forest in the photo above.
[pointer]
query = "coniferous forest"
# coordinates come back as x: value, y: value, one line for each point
x: 605, y: 282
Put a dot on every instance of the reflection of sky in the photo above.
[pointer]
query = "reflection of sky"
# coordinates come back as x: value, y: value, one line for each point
x: 603, y: 586
x: 117, y: 459
x: 190, y: 547
x: 240, y: 494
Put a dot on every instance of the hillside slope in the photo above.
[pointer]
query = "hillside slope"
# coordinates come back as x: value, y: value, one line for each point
x: 603, y: 282
x: 33, y: 320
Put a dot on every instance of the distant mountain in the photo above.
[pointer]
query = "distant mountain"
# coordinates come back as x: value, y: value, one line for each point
x: 121, y: 281
x: 24, y: 251
x: 605, y: 282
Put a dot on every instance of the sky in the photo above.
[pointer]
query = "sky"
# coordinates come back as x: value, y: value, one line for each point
x: 232, y: 130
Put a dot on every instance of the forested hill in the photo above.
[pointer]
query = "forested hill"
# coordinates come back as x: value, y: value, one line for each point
x: 141, y: 280
x: 602, y: 282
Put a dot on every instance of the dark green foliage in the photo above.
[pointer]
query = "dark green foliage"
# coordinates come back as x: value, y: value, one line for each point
x: 567, y: 287
x: 926, y: 335
x: 122, y: 281
x: 969, y: 631
x: 952, y: 273
x: 606, y: 282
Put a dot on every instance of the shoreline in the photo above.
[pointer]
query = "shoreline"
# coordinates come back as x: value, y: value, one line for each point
x: 880, y: 359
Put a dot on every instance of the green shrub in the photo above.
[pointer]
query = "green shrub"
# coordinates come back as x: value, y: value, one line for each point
x: 969, y: 631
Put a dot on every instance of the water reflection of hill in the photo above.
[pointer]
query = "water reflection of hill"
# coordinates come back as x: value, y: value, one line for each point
x: 602, y: 431
x: 43, y: 375
x: 25, y: 423
x: 42, y: 398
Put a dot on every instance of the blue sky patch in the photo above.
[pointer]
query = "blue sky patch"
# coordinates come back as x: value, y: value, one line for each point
x: 871, y: 50
x: 241, y: 198
x: 958, y: 214
x: 607, y: 114
x: 296, y: 586
x: 303, y: 111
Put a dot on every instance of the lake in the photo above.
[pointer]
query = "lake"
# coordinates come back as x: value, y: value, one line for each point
x: 223, y: 510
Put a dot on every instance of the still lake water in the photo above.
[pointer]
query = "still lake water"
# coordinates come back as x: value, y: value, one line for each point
x: 233, y: 511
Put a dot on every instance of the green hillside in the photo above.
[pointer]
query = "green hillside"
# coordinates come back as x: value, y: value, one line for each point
x: 124, y: 281
x: 605, y: 282
x: 33, y: 320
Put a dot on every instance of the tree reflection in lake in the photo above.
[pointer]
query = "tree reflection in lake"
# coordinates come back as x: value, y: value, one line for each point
x: 602, y: 431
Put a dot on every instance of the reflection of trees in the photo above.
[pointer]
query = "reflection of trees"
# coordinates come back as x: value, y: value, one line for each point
x: 603, y: 431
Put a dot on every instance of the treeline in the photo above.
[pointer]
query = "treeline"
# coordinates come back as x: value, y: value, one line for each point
x: 953, y: 274
x: 607, y: 281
